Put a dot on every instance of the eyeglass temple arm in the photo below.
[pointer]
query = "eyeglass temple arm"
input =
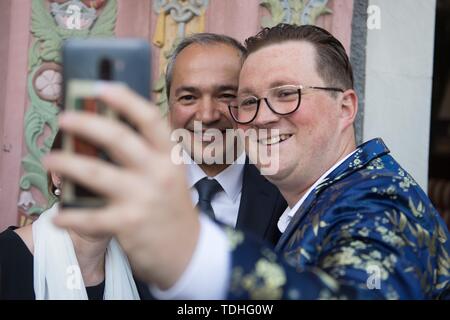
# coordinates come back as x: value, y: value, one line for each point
x: 327, y: 88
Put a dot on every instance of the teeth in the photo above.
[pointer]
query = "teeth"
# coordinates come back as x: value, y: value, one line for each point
x: 274, y: 139
x: 271, y: 140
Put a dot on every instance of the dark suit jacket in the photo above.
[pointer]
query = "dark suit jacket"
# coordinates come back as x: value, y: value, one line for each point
x: 261, y: 206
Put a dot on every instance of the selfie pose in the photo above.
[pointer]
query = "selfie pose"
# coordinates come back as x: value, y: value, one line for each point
x: 354, y: 211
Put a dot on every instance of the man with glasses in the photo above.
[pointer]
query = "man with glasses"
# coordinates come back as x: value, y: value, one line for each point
x: 357, y: 226
x: 281, y: 100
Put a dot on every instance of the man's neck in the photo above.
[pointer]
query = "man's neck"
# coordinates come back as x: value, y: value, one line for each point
x: 90, y: 254
x: 293, y: 195
x: 214, y: 169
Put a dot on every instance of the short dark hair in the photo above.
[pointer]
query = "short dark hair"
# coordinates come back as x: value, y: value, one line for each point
x: 203, y: 38
x: 332, y: 62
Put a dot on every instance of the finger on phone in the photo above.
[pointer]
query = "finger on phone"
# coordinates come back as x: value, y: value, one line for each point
x: 141, y: 113
x: 119, y: 140
x: 93, y: 222
x: 90, y: 172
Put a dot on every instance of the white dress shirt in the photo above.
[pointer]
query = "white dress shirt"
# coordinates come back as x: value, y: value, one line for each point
x: 225, y: 203
x: 207, y: 274
x: 226, y: 208
x: 212, y: 258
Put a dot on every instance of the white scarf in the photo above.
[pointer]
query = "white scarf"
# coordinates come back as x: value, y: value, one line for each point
x: 57, y: 275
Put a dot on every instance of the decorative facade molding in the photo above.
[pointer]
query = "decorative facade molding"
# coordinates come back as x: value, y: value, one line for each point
x: 297, y: 12
x: 73, y: 18
x: 176, y: 19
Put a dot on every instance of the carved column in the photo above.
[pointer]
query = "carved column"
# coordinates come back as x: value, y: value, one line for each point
x: 297, y: 12
x: 51, y: 23
x: 176, y: 19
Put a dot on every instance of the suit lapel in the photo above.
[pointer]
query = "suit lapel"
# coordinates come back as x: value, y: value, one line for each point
x: 296, y: 219
x: 363, y: 155
x: 258, y: 201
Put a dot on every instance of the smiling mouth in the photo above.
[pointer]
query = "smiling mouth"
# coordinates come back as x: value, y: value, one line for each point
x: 274, y: 139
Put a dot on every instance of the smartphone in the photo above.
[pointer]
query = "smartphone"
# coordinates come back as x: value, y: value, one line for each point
x: 85, y: 62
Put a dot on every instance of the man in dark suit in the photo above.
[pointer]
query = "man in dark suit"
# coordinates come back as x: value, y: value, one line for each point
x: 201, y: 81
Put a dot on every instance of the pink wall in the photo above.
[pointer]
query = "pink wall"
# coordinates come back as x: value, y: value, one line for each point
x: 235, y: 18
x: 13, y: 103
x: 340, y: 22
x: 135, y: 20
x: 5, y: 8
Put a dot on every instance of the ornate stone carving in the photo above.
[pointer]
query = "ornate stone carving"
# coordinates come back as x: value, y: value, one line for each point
x: 176, y: 18
x: 26, y: 200
x: 48, y: 81
x: 43, y: 80
x: 73, y: 14
x: 297, y: 12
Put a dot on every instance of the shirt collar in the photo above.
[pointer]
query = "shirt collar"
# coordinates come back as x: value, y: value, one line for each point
x: 289, y: 213
x: 229, y: 179
x: 322, y: 177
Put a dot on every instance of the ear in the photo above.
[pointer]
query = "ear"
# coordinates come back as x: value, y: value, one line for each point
x: 56, y: 179
x: 349, y: 108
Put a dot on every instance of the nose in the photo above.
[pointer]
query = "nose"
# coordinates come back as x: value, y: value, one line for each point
x: 208, y: 111
x: 265, y: 115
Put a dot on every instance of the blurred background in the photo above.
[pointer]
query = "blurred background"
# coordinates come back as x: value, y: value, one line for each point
x: 399, y: 51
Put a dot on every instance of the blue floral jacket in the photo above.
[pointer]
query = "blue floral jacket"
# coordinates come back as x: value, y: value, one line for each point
x: 367, y: 231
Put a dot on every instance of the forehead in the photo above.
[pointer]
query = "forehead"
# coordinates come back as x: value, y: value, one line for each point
x: 291, y: 62
x: 199, y: 65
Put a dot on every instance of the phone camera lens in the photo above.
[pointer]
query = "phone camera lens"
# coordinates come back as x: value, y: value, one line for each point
x: 105, y: 69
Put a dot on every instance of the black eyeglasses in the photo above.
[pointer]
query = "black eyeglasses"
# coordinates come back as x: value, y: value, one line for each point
x: 282, y: 100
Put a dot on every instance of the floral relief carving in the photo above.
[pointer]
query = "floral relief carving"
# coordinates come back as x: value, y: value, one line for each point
x: 51, y: 23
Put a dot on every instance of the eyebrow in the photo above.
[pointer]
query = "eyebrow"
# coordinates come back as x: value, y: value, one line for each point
x: 246, y: 91
x: 274, y: 84
x: 226, y: 88
x: 280, y: 83
x: 196, y: 90
x: 186, y: 88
